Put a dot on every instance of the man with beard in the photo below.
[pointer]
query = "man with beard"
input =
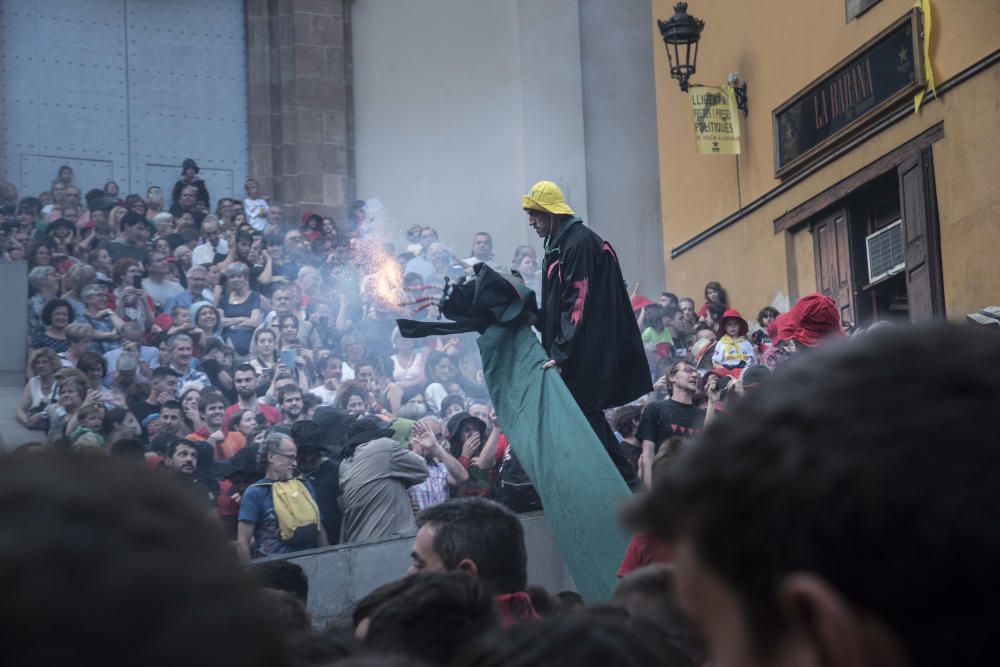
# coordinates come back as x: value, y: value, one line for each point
x: 290, y: 402
x: 588, y: 328
x: 245, y: 384
x: 181, y: 462
x: 676, y: 416
x: 258, y: 520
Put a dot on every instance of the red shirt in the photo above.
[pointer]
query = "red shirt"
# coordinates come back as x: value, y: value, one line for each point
x: 644, y: 550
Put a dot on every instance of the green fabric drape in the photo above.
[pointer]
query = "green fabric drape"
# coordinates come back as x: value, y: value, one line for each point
x: 580, y: 488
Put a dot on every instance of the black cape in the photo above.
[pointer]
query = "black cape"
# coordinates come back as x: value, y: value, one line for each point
x: 587, y: 322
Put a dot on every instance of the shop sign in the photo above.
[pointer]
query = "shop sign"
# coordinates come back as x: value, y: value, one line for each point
x: 873, y: 79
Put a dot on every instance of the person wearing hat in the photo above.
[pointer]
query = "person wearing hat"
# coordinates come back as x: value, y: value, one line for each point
x: 467, y: 437
x: 189, y: 176
x: 375, y: 472
x: 734, y: 350
x: 588, y: 328
x: 321, y: 471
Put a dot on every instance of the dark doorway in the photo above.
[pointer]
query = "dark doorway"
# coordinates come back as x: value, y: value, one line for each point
x: 877, y: 249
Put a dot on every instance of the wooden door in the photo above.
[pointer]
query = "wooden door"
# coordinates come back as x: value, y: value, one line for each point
x: 832, y: 249
x: 918, y: 204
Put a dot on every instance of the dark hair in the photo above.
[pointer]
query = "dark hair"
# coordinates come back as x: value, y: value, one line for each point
x: 723, y: 299
x: 161, y: 372
x: 568, y: 601
x: 172, y: 405
x: 544, y: 603
x: 284, y: 318
x: 288, y: 390
x: 449, y: 401
x: 131, y: 218
x: 310, y: 401
x: 655, y: 313
x: 243, y: 368
x: 433, y: 359
x: 236, y: 418
x: 766, y: 311
x: 50, y: 307
x: 625, y: 419
x: 432, y: 617
x: 326, y: 647
x: 584, y: 639
x: 717, y: 310
x: 210, y: 398
x: 287, y: 612
x: 348, y: 389
x: 90, y: 360
x: 896, y: 493
x: 179, y: 442
x: 367, y: 605
x: 133, y: 556
x: 485, y: 532
x: 30, y: 205
x: 649, y: 592
x: 129, y: 449
x: 113, y: 418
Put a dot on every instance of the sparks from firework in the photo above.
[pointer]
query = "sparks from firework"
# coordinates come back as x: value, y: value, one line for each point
x: 383, y: 280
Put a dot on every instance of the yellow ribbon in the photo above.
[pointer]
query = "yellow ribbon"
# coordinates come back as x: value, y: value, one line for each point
x: 925, y: 9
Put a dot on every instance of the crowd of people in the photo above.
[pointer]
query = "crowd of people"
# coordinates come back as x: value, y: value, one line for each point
x: 200, y: 339
x: 223, y: 367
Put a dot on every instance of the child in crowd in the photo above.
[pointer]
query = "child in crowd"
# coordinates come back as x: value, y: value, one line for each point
x: 255, y: 206
x: 656, y: 337
x: 733, y: 351
x: 759, y: 336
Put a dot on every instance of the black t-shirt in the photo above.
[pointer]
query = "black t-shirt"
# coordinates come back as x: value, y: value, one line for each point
x: 662, y: 420
x: 325, y: 481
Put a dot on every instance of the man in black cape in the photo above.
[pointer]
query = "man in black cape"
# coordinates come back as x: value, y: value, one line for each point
x: 588, y: 328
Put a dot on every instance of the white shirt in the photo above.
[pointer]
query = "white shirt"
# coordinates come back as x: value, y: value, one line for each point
x: 205, y: 253
x: 256, y: 213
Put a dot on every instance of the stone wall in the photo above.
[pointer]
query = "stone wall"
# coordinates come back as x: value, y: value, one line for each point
x: 340, y: 576
x: 301, y: 103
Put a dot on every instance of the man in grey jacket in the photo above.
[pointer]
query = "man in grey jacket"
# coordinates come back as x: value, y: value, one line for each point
x: 374, y: 474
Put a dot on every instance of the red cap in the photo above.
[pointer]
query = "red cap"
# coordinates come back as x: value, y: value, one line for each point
x: 733, y: 314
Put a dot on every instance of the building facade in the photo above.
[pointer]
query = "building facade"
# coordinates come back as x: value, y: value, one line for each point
x: 445, y: 111
x: 840, y: 186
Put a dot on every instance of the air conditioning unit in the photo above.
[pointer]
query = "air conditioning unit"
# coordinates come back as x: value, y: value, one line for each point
x: 885, y: 252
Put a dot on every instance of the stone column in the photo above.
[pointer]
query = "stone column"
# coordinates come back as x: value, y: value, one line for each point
x: 301, y: 104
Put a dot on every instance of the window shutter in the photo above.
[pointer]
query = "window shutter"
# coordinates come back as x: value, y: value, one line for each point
x: 832, y: 251
x: 918, y: 203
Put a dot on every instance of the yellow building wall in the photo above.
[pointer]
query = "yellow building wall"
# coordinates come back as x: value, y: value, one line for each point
x: 779, y: 48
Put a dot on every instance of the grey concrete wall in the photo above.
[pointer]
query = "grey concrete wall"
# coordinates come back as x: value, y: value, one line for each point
x: 340, y: 576
x: 14, y: 279
x: 619, y: 115
x: 460, y: 107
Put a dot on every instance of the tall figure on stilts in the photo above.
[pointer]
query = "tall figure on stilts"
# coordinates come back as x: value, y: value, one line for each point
x: 587, y: 324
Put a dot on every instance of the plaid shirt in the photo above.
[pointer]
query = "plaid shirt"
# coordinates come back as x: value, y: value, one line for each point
x: 433, y: 490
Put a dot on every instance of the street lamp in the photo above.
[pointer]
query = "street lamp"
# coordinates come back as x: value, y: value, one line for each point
x: 681, y: 30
